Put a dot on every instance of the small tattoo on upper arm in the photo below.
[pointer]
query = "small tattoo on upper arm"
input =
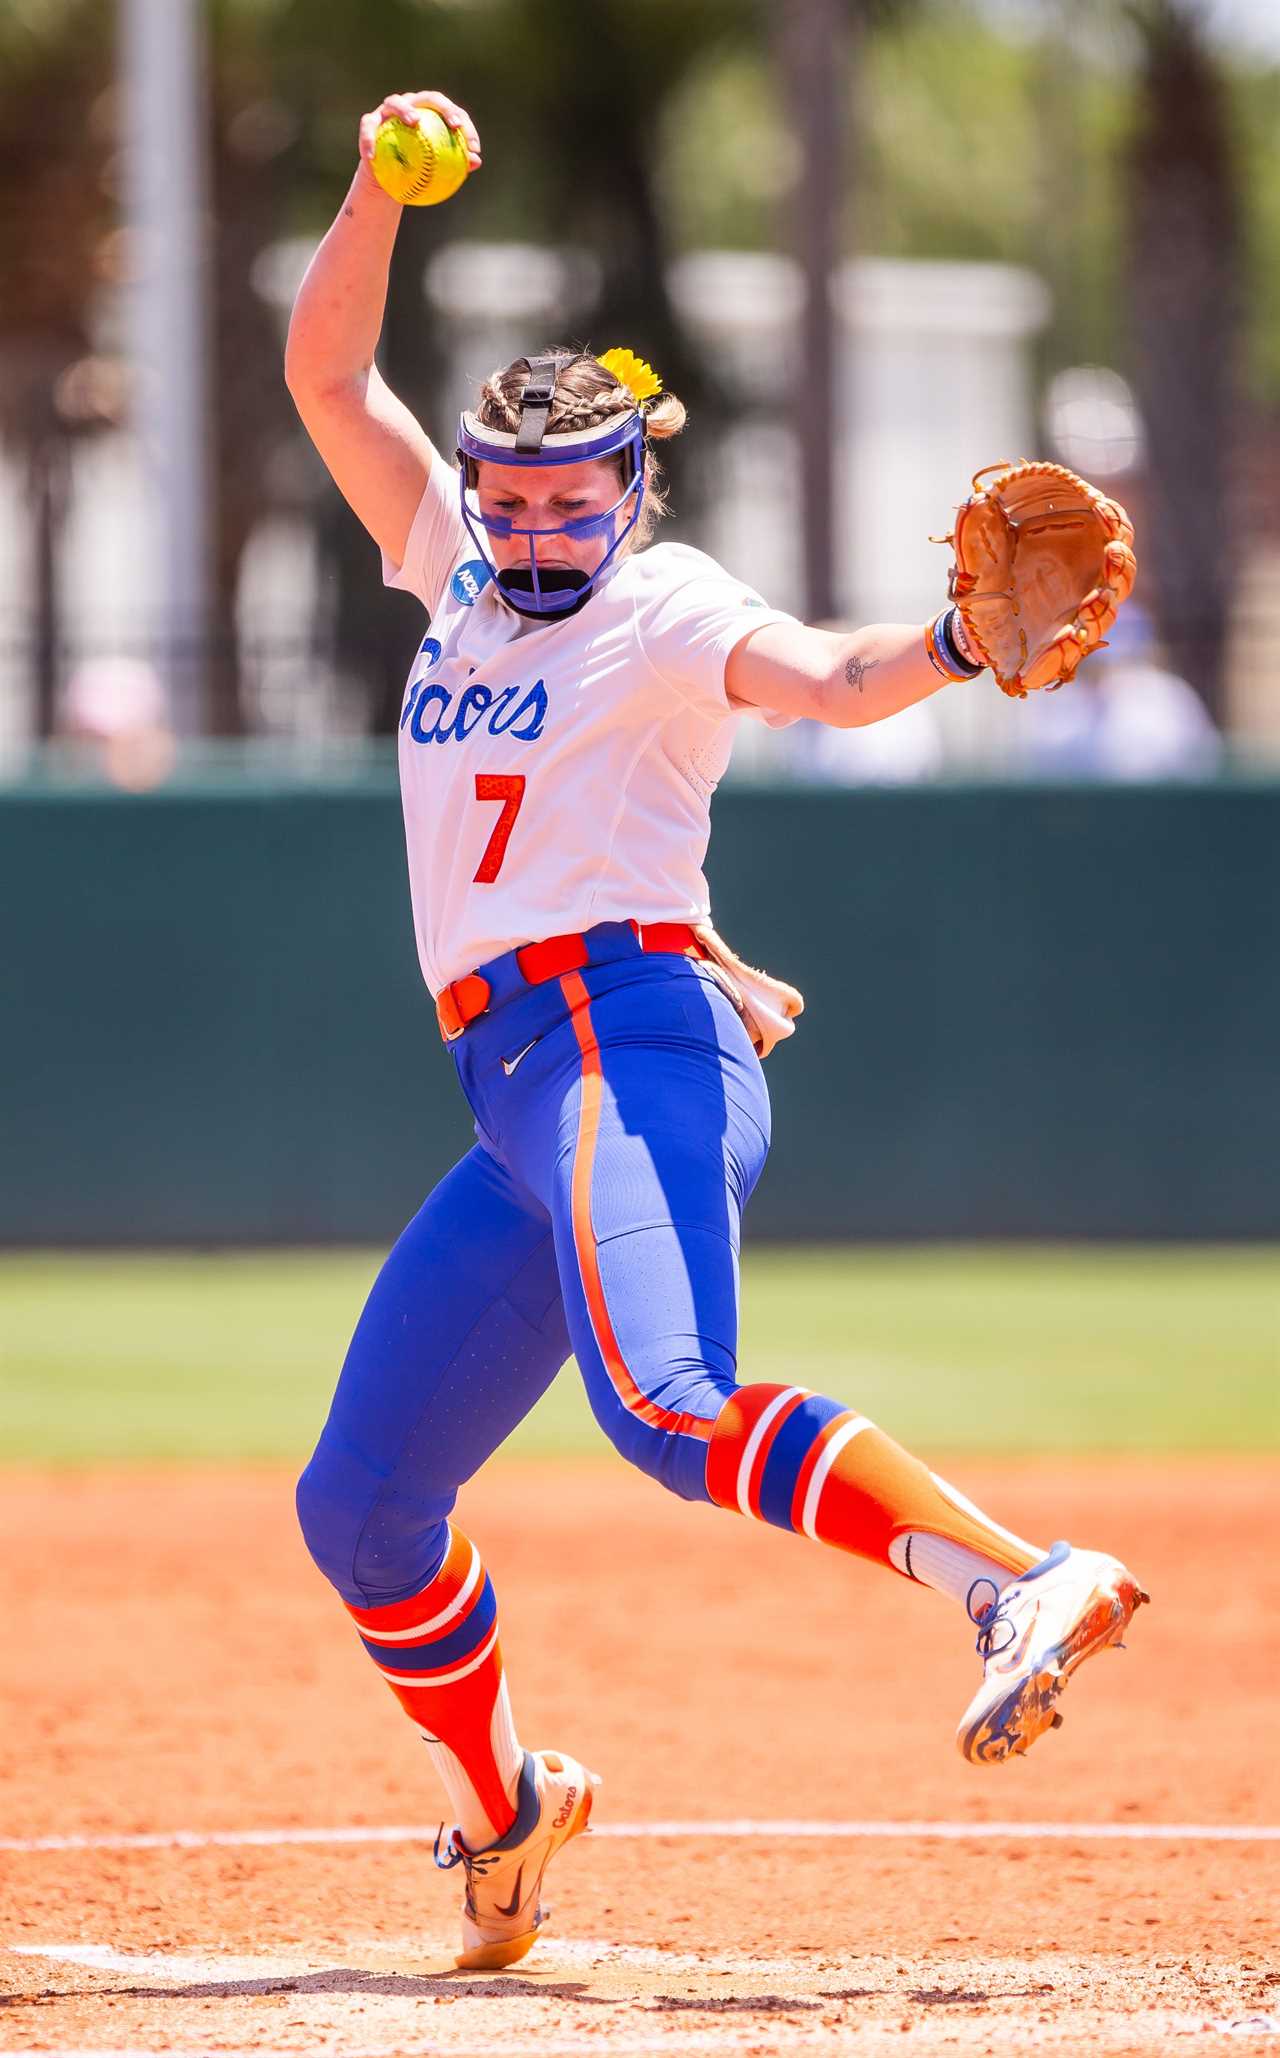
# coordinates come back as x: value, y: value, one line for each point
x: 348, y: 209
x: 857, y: 668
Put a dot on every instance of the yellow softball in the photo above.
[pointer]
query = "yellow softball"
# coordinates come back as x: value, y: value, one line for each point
x: 421, y: 165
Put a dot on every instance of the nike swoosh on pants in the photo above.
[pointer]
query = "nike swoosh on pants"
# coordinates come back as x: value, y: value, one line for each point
x: 509, y: 1064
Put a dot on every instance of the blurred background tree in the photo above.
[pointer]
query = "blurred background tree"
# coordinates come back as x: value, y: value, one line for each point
x: 254, y: 147
x: 1118, y: 152
x: 56, y: 215
x: 1184, y: 298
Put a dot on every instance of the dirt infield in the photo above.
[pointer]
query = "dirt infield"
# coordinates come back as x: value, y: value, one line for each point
x: 174, y: 1665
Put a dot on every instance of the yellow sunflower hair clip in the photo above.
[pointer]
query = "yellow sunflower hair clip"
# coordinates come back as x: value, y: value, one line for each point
x: 639, y: 378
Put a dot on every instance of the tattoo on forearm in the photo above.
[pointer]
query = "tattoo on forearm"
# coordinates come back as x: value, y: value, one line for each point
x: 857, y: 668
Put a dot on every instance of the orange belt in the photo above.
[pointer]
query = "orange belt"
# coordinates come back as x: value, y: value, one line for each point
x: 458, y: 1004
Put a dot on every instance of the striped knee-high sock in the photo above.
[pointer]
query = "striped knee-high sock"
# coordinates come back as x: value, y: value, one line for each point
x: 439, y: 1653
x: 793, y: 1458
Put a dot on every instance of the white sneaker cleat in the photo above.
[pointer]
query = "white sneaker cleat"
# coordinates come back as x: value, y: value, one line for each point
x: 501, y: 1915
x: 1032, y: 1637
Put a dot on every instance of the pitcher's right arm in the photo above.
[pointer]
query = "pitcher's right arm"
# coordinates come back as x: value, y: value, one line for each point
x: 378, y: 453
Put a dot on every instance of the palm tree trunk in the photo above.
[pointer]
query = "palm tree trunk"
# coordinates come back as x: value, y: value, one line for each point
x: 48, y: 476
x: 1184, y: 290
x: 812, y: 49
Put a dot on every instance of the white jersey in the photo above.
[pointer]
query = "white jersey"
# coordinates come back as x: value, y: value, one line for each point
x: 557, y: 774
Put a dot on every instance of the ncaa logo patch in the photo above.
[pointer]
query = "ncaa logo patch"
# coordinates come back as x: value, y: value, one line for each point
x: 469, y: 581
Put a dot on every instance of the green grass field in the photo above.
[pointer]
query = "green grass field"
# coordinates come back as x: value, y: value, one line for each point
x: 233, y: 1357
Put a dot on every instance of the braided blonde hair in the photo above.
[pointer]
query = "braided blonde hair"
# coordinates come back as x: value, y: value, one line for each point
x: 586, y: 396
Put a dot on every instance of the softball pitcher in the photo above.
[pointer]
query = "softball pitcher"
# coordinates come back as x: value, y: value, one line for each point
x: 564, y: 726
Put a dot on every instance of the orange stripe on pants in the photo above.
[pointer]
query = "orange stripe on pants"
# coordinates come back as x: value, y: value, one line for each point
x: 584, y: 1241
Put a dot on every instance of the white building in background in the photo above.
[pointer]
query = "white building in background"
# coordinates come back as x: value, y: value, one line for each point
x: 934, y: 380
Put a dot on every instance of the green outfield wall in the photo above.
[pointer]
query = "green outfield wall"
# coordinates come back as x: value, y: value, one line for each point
x: 1048, y: 1012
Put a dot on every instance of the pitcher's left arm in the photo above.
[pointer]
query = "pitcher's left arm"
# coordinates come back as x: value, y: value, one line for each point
x: 848, y: 679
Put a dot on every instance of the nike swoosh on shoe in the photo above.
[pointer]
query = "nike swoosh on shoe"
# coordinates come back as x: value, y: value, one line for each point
x: 1010, y: 1661
x: 514, y: 1902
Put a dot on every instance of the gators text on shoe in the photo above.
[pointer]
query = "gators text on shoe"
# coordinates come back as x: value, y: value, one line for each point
x: 1032, y: 1637
x: 501, y: 1910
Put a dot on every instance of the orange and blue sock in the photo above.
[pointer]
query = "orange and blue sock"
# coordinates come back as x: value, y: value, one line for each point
x: 439, y: 1653
x: 805, y: 1463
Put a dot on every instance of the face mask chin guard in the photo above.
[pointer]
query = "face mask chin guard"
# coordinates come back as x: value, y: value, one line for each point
x: 550, y: 590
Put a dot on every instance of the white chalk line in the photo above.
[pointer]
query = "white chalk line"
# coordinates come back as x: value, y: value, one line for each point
x: 586, y: 1953
x: 597, y: 2046
x: 781, y: 1831
x: 598, y: 1953
x: 469, y: 2017
x: 175, y: 1964
x: 676, y: 2039
x: 680, y: 2039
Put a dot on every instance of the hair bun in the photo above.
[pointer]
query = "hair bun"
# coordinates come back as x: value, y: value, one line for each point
x: 663, y: 416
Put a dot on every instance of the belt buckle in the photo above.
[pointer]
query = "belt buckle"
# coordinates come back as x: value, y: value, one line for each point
x: 448, y: 1016
x: 454, y: 1010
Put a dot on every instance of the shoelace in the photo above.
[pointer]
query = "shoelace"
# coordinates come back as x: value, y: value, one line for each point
x: 989, y: 1617
x: 457, y: 1854
x: 474, y: 1863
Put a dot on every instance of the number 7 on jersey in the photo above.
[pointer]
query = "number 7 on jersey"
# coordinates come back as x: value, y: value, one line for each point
x: 509, y: 789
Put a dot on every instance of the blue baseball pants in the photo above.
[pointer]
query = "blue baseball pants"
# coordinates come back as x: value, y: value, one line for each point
x: 622, y: 1121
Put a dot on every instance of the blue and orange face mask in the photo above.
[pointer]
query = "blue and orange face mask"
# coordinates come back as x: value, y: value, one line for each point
x: 549, y: 591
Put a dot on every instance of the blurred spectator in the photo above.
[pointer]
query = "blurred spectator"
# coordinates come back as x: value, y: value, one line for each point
x: 119, y: 708
x: 1122, y: 717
